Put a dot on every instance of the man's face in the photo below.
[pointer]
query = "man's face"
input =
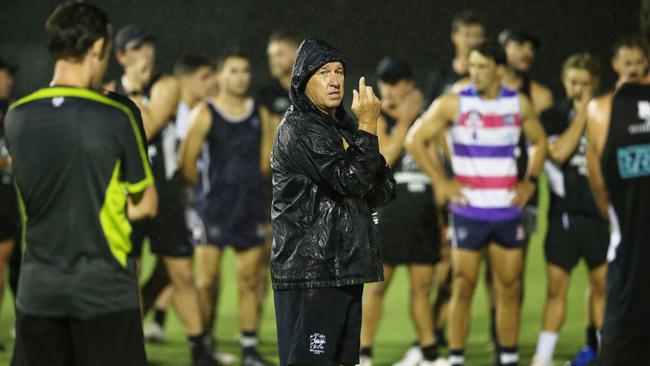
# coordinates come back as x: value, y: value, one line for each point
x: 282, y: 55
x: 483, y: 71
x: 325, y: 87
x: 139, y: 61
x: 520, y: 55
x: 578, y: 83
x: 466, y: 36
x: 6, y: 83
x: 198, y: 82
x: 630, y: 64
x: 235, y: 76
x: 393, y: 94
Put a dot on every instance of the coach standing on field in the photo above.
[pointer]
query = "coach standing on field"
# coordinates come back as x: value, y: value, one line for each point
x: 328, y: 175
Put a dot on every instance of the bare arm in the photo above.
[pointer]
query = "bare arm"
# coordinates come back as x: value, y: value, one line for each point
x: 391, y: 144
x: 143, y: 205
x: 427, y: 130
x: 534, y: 133
x: 268, y: 130
x: 564, y: 146
x: 597, y: 126
x: 199, y: 125
x: 162, y: 105
x: 541, y: 96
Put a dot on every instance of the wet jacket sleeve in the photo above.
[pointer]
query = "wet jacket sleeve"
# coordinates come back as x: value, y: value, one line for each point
x: 319, y: 154
x: 383, y: 191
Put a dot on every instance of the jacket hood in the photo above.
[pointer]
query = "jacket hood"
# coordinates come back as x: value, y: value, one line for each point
x: 311, y: 55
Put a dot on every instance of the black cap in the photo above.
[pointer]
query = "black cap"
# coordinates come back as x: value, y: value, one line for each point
x: 391, y: 70
x: 9, y: 67
x: 130, y: 37
x: 519, y: 36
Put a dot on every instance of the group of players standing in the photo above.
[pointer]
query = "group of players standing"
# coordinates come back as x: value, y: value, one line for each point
x: 203, y: 129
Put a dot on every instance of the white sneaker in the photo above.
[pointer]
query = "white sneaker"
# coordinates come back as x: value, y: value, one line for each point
x: 153, y: 333
x: 365, y: 361
x: 440, y: 361
x: 225, y: 358
x: 411, y: 358
x: 536, y: 362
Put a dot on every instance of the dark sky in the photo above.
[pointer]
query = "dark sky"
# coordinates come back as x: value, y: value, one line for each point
x: 365, y: 30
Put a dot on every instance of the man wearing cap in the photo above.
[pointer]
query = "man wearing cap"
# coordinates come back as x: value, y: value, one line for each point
x: 520, y: 47
x: 167, y: 232
x: 328, y: 177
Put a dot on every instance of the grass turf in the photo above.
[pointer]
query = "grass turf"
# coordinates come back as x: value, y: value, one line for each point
x: 396, y: 332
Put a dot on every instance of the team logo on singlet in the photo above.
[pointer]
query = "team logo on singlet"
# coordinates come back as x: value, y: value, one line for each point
x: 643, y: 107
x: 474, y: 119
x: 317, y: 343
x: 634, y: 161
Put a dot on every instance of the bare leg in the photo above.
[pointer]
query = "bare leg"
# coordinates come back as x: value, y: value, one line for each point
x: 465, y: 266
x: 421, y: 282
x: 373, y: 300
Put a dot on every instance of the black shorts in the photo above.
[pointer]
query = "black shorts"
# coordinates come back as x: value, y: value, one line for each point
x: 571, y: 237
x: 408, y: 229
x: 106, y: 340
x: 319, y: 326
x: 167, y: 232
x: 10, y: 222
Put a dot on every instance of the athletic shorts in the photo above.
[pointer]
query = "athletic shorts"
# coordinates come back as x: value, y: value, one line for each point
x: 10, y: 222
x: 319, y: 326
x: 106, y: 340
x: 408, y: 230
x: 167, y: 232
x: 241, y: 236
x: 473, y: 234
x: 571, y: 237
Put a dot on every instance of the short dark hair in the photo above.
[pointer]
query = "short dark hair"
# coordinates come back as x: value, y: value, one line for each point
x: 220, y: 60
x: 392, y: 70
x: 492, y: 50
x: 188, y: 64
x: 466, y: 17
x: 285, y: 36
x: 631, y: 41
x: 584, y: 61
x: 73, y: 27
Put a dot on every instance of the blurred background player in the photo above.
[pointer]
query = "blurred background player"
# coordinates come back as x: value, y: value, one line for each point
x: 575, y: 229
x: 10, y: 225
x: 467, y: 30
x: 408, y: 229
x: 237, y: 134
x: 168, y: 234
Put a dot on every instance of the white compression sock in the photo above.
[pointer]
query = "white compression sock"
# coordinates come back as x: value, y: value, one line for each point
x: 546, y: 346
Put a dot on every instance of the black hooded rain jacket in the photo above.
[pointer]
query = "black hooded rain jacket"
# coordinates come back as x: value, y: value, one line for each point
x: 323, y: 194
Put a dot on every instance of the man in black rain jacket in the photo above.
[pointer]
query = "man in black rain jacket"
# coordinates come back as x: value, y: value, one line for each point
x: 328, y: 176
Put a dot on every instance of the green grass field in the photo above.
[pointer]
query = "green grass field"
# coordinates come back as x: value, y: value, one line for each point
x: 395, y: 333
